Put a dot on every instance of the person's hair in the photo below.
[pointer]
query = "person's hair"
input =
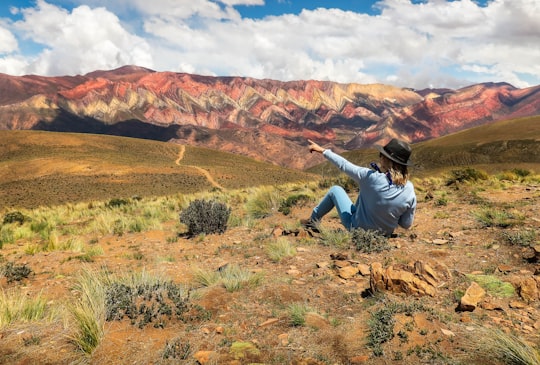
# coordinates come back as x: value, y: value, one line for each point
x: 399, y: 174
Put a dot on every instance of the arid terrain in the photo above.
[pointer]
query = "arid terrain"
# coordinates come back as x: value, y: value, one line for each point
x: 460, y: 287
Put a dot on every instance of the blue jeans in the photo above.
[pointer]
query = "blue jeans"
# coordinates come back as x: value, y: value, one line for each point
x: 335, y: 197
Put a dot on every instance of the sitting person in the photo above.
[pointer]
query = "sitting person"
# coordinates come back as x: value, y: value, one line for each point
x: 386, y: 199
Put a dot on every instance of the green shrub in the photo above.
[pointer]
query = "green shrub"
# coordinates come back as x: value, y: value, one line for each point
x: 342, y: 180
x: 117, y: 202
x: 466, y: 174
x: 297, y: 314
x: 339, y: 238
x: 177, y: 349
x: 521, y: 172
x: 14, y: 272
x: 292, y: 201
x: 368, y: 241
x: 145, y: 303
x: 381, y: 328
x: 205, y: 216
x: 279, y: 249
x: 491, y: 217
x: 264, y: 202
x: 520, y: 238
x: 15, y: 217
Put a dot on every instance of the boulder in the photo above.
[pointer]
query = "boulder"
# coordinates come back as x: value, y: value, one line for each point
x: 418, y: 279
x: 473, y: 295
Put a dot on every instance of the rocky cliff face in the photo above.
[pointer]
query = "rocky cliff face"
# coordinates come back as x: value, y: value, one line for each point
x: 265, y: 119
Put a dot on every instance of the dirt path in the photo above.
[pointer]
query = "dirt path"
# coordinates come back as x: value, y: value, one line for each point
x: 200, y: 169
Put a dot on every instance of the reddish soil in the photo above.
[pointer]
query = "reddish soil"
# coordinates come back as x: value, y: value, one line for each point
x: 447, y: 235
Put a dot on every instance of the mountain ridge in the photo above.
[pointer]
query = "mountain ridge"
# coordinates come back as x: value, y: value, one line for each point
x: 264, y: 119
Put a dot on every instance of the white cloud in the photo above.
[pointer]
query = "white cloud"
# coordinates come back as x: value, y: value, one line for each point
x: 81, y: 41
x: 437, y: 42
x: 8, y: 42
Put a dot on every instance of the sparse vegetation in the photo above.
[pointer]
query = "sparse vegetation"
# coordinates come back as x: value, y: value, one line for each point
x: 232, y: 277
x: 520, y: 238
x: 137, y: 243
x: 264, y: 202
x: 297, y: 314
x: 15, y: 272
x: 495, y: 344
x: 339, y: 238
x: 279, y: 249
x: 205, y: 216
x: 492, y: 217
x: 493, y: 285
x: 16, y: 306
x: 468, y: 174
x: 369, y: 241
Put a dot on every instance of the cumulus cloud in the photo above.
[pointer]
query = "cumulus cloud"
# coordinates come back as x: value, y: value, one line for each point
x: 80, y: 41
x: 435, y: 43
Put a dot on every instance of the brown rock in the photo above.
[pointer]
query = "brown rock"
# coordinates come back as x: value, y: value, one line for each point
x: 364, y: 269
x: 418, y: 279
x: 528, y: 290
x: 347, y: 272
x: 204, y: 357
x: 516, y: 304
x: 283, y: 339
x: 269, y: 322
x: 315, y: 320
x: 473, y: 295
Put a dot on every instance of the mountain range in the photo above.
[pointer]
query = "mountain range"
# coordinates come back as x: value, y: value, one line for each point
x: 264, y: 119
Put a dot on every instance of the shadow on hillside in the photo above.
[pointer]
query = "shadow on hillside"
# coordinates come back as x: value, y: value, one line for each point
x: 66, y: 122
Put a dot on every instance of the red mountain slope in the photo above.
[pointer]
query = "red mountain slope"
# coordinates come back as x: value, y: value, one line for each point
x: 264, y: 119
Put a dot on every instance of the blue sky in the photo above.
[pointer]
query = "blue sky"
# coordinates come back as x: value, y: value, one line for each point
x: 418, y: 43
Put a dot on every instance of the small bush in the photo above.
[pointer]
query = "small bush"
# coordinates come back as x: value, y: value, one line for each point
x: 521, y: 172
x: 369, y: 241
x: 297, y: 314
x: 117, y: 202
x: 342, y: 180
x: 520, y: 238
x: 14, y: 272
x: 508, y: 348
x: 205, y: 216
x: 338, y: 238
x: 145, y: 303
x: 177, y: 349
x: 381, y: 328
x: 15, y: 217
x: 264, y: 202
x: 490, y: 217
x: 280, y: 249
x: 466, y: 174
x: 292, y: 201
x: 232, y: 277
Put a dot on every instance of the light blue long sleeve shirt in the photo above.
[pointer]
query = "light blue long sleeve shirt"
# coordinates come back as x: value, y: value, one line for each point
x: 380, y: 205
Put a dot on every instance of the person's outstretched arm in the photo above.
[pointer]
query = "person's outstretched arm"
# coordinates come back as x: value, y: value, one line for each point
x: 315, y: 147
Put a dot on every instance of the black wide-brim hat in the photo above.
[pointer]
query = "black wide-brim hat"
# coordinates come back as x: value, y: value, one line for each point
x: 398, y: 151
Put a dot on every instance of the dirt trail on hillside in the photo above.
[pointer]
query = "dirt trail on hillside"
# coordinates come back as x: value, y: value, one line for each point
x: 200, y: 169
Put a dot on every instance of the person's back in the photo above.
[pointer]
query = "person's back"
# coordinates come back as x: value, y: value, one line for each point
x: 386, y: 198
x: 383, y: 206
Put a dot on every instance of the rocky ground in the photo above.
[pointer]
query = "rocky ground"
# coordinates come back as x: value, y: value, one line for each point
x: 420, y: 301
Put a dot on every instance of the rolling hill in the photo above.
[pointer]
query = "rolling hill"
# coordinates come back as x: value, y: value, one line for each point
x: 48, y: 168
x: 502, y: 145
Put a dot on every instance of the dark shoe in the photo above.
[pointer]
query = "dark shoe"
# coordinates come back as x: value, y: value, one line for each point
x: 310, y: 225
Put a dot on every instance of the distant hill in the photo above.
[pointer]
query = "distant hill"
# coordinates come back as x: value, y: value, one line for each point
x: 264, y: 119
x: 47, y: 168
x: 502, y: 145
